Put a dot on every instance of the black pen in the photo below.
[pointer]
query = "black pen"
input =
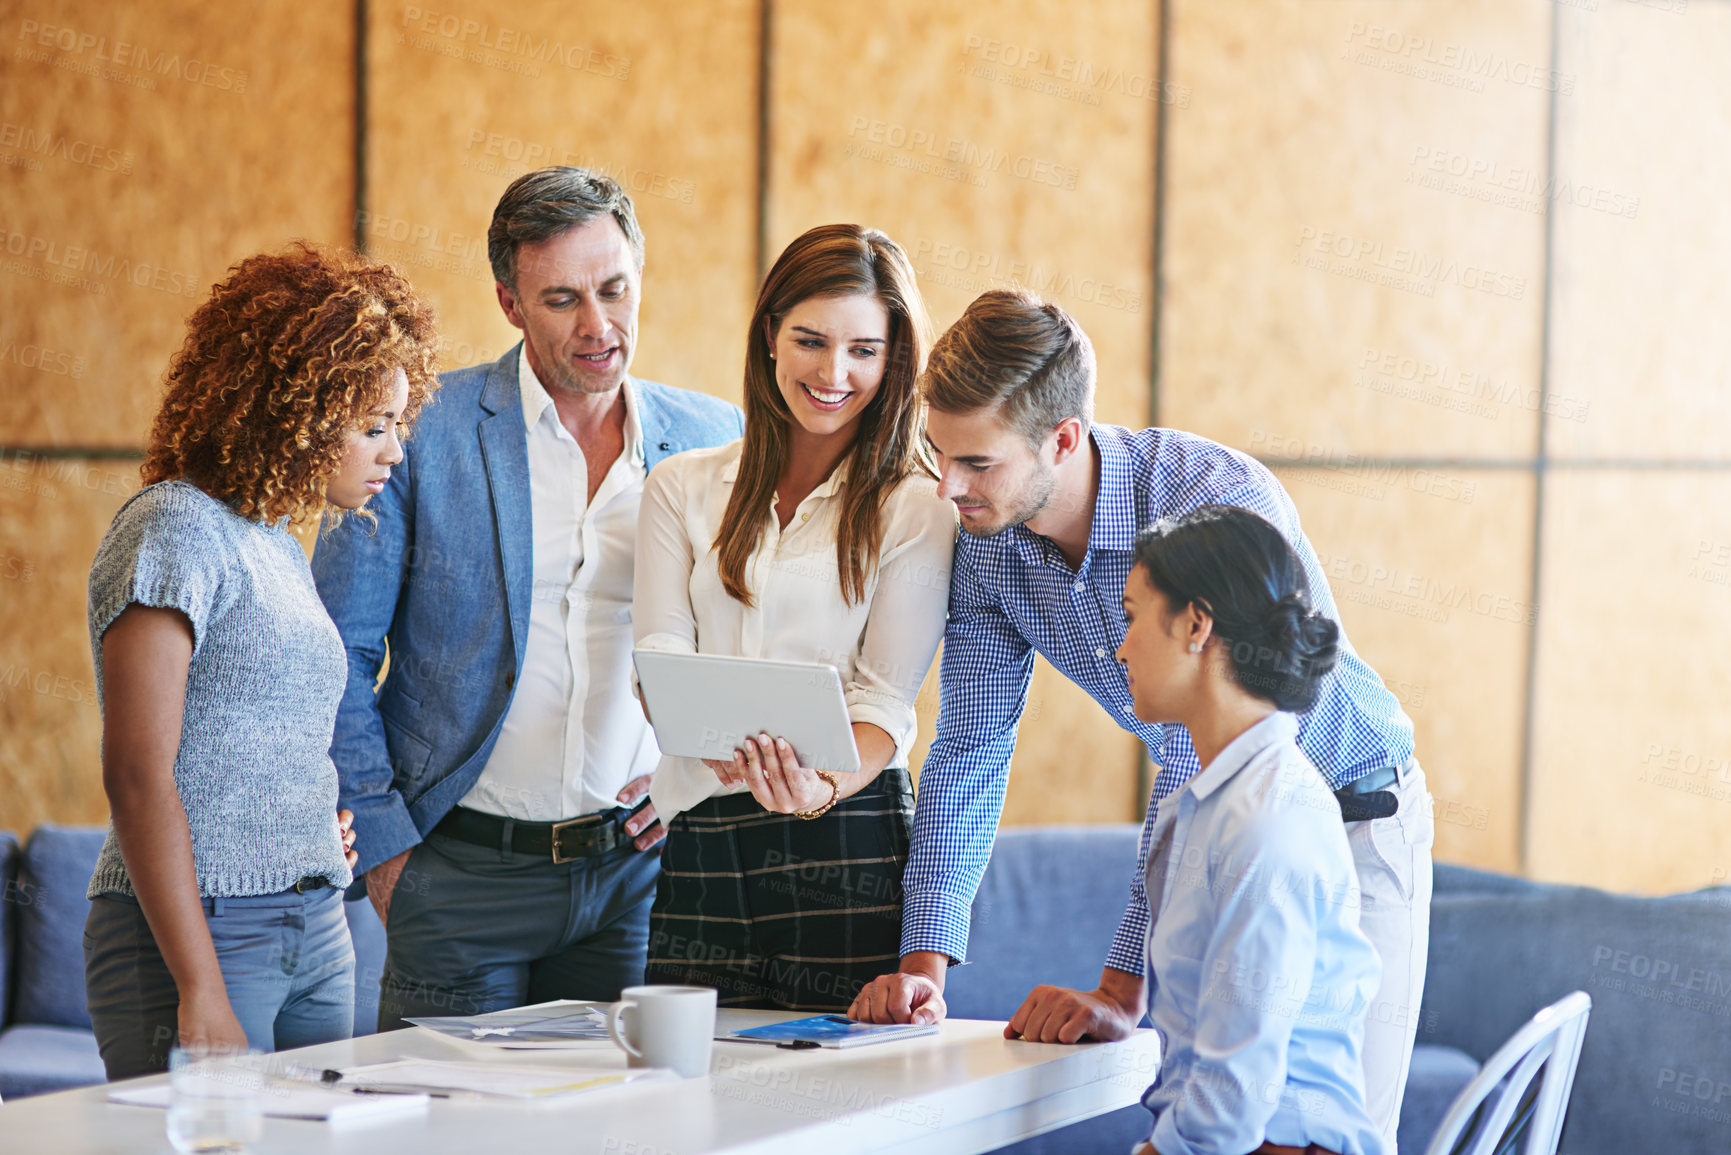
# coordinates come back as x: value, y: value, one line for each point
x: 332, y: 1080
x: 396, y: 1091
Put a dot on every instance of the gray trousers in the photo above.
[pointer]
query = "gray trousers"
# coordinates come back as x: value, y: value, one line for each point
x: 287, y: 962
x: 474, y: 929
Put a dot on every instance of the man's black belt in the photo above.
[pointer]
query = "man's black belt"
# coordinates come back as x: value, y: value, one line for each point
x: 1369, y: 796
x: 583, y: 837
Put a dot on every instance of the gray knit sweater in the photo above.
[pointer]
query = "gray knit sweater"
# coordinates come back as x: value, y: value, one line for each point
x: 268, y: 668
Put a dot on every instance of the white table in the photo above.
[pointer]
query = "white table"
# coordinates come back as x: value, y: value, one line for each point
x: 966, y: 1089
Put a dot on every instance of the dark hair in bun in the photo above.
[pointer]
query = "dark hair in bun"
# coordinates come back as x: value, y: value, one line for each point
x: 1237, y: 568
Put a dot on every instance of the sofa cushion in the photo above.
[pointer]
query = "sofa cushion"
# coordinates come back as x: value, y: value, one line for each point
x: 1451, y: 879
x: 9, y: 852
x: 56, y: 869
x: 1437, y: 1075
x: 49, y: 931
x: 36, y: 1060
x: 1045, y: 913
x: 1655, y: 1071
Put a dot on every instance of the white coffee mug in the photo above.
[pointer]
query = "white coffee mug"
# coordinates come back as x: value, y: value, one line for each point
x: 668, y: 1027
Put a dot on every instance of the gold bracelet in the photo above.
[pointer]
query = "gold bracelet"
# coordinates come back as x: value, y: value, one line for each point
x: 834, y: 797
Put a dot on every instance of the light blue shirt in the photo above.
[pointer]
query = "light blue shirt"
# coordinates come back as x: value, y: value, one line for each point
x: 1261, y: 975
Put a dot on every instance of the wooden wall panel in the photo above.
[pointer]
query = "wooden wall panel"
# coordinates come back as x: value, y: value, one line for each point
x: 1313, y: 143
x: 1632, y: 750
x: 1446, y: 628
x: 1641, y: 353
x: 144, y: 148
x: 1074, y: 772
x: 1013, y: 145
x: 1354, y: 254
x: 466, y: 97
x: 53, y: 512
x: 1010, y: 145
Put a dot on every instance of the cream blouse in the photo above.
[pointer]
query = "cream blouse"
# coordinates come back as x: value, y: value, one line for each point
x: 882, y: 646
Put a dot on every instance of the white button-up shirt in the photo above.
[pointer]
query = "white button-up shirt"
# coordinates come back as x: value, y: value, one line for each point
x: 882, y: 646
x: 1262, y: 977
x: 574, y: 734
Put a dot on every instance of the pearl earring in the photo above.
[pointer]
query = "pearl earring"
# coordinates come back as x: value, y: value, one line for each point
x: 1194, y: 648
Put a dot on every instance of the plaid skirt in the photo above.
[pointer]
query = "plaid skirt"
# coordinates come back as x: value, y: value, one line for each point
x: 780, y: 912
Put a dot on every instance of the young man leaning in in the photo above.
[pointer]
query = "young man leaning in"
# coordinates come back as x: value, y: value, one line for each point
x: 1050, y: 504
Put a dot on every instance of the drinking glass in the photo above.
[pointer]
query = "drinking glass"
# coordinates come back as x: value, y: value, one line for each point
x: 214, y: 1099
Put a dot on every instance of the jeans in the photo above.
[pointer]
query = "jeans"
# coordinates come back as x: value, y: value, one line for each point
x: 1393, y: 856
x: 287, y: 963
x: 473, y: 929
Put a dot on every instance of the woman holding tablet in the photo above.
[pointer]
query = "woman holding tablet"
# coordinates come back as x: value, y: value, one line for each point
x: 818, y: 537
x: 216, y: 916
x: 1261, y: 975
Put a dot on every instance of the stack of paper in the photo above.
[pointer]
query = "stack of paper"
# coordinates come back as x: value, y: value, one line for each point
x: 556, y: 1025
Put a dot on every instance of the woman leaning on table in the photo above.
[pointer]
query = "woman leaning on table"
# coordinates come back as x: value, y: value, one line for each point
x: 818, y: 537
x: 216, y: 917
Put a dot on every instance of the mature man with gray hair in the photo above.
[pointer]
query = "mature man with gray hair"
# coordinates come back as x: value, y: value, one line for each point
x: 496, y: 772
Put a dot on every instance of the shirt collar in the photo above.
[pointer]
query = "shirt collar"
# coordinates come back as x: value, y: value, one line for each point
x: 1114, y: 526
x: 536, y: 399
x: 1276, y: 728
x: 633, y: 424
x: 837, y: 476
x: 825, y: 488
x: 535, y: 396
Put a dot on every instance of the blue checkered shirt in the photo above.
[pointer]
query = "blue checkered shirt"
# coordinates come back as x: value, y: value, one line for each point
x: 1014, y: 594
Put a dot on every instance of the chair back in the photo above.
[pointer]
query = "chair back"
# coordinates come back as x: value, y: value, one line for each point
x: 1517, y: 1101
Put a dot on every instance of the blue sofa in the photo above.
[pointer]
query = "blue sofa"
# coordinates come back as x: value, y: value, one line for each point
x: 45, y: 1039
x: 1655, y: 1071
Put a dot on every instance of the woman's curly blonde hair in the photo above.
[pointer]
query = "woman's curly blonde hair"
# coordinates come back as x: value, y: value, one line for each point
x: 291, y: 354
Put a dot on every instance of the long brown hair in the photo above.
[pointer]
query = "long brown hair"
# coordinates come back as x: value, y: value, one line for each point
x: 830, y: 261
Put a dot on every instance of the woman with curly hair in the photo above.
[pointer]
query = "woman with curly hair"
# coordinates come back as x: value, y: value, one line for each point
x: 216, y: 914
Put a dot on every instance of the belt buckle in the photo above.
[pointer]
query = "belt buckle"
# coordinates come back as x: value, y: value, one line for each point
x: 558, y: 829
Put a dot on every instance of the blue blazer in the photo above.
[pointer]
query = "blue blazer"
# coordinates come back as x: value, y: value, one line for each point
x: 446, y: 577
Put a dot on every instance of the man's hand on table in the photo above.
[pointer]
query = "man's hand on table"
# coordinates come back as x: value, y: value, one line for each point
x: 1061, y: 1015
x: 914, y: 994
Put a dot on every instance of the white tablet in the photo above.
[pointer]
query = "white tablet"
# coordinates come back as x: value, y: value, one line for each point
x: 703, y: 706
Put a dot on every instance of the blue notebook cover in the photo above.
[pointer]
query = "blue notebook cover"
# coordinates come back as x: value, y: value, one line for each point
x: 832, y: 1031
